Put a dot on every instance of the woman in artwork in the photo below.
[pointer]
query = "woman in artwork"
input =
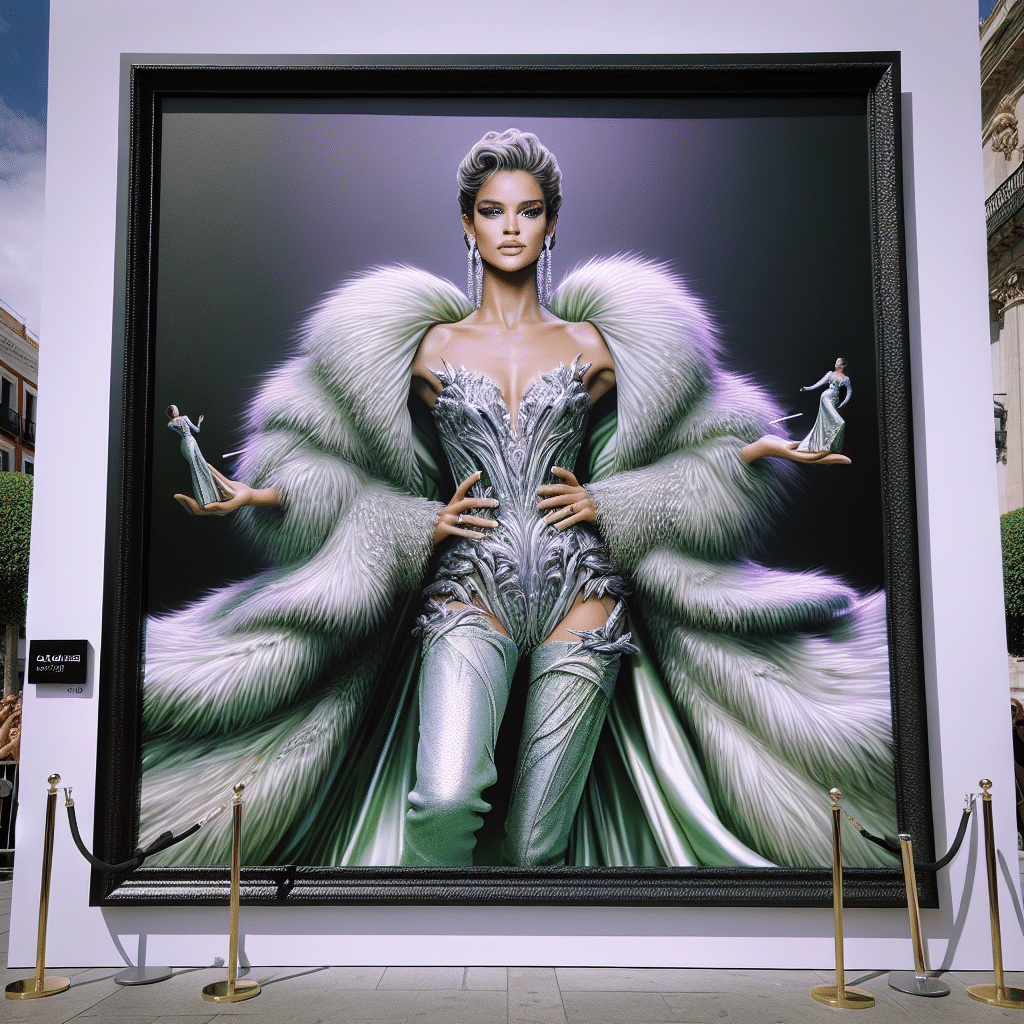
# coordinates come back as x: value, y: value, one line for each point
x: 584, y: 459
x: 204, y: 486
x: 827, y: 433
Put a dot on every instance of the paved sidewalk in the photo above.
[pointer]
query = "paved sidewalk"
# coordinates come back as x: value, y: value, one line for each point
x: 483, y: 995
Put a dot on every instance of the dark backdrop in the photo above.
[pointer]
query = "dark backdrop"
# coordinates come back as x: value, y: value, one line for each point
x: 761, y: 205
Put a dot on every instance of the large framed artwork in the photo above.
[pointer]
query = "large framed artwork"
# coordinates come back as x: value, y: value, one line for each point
x: 581, y: 579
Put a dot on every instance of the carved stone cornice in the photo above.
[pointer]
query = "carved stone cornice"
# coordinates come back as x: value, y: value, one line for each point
x: 1010, y: 291
x: 1002, y: 64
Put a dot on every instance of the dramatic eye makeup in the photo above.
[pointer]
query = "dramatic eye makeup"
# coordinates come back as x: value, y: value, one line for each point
x: 488, y: 208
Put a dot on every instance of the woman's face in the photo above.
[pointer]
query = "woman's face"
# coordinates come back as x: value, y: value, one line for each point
x: 509, y: 221
x: 840, y: 365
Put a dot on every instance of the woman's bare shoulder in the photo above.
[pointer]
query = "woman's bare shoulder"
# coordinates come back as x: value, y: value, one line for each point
x: 433, y: 345
x: 430, y: 354
x: 587, y: 340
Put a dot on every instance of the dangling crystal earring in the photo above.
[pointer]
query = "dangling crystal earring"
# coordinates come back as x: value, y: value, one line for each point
x: 474, y: 274
x: 544, y: 272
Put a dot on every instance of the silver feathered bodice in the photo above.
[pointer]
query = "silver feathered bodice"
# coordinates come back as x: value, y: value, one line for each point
x: 524, y: 571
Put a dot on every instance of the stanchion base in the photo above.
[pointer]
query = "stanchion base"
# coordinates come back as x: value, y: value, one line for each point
x: 29, y: 988
x: 851, y: 999
x: 143, y: 975
x: 218, y: 991
x: 995, y: 996
x: 915, y: 985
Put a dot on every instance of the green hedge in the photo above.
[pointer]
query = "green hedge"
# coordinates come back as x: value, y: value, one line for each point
x: 15, y: 527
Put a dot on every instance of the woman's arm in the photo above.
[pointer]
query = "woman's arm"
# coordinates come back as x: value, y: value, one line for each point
x: 824, y: 380
x: 701, y: 495
x: 849, y: 393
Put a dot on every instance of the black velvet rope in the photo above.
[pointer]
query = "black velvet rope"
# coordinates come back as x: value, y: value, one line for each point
x: 162, y: 842
x: 893, y: 845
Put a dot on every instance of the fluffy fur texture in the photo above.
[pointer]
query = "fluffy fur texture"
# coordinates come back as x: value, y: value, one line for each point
x: 781, y: 678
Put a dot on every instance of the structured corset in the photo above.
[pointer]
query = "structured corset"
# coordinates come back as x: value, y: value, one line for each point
x: 524, y: 571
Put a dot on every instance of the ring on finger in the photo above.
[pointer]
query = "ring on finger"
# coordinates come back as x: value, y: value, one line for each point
x: 458, y: 521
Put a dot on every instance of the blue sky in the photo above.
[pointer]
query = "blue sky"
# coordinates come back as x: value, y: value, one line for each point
x: 24, y: 30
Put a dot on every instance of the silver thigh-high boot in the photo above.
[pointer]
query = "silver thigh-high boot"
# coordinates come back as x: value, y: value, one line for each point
x: 571, y: 685
x: 464, y: 686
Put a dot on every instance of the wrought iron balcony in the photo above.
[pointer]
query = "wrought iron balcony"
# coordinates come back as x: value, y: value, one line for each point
x: 15, y: 426
x: 1006, y: 201
x: 10, y: 421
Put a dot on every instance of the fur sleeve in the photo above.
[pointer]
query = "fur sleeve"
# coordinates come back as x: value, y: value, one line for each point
x: 330, y: 429
x: 781, y: 678
x: 677, y: 480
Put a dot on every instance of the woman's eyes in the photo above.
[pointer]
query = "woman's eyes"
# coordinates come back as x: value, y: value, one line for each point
x: 532, y: 212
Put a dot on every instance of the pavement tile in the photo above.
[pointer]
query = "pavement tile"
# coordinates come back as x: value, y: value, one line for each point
x: 423, y: 979
x: 605, y: 1007
x: 487, y: 979
x: 322, y: 978
x: 181, y: 996
x: 758, y: 1006
x: 152, y: 1018
x: 1014, y: 978
x: 533, y: 996
x: 416, y: 1007
x: 677, y: 979
x: 88, y: 987
x: 955, y: 1008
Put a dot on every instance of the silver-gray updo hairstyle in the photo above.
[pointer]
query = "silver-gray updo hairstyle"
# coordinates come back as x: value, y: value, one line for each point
x: 510, y: 150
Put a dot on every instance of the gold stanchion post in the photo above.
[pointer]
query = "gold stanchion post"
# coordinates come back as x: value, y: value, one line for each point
x: 840, y: 994
x: 233, y: 990
x: 998, y: 994
x: 917, y: 982
x: 42, y: 985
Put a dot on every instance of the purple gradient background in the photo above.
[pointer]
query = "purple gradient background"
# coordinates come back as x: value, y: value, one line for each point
x: 264, y: 210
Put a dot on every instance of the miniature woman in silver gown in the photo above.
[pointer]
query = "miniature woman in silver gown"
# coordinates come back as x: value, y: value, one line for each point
x: 203, y: 484
x: 827, y: 433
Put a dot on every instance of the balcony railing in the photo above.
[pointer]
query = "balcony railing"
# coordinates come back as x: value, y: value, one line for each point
x: 1005, y: 201
x: 13, y: 424
x: 10, y: 420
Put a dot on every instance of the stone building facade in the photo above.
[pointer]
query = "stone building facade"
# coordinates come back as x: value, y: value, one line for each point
x: 19, y: 395
x: 1002, y: 108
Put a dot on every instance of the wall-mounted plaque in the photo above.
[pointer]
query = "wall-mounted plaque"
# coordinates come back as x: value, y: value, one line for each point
x: 57, y: 661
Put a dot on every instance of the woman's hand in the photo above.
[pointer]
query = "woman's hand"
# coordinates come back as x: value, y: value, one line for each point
x: 234, y: 495
x: 771, y: 445
x: 453, y: 521
x: 570, y: 502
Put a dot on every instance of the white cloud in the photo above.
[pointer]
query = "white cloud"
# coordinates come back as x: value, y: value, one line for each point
x: 22, y: 177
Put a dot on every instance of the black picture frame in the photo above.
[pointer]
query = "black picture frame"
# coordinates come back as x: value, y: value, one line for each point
x: 643, y: 86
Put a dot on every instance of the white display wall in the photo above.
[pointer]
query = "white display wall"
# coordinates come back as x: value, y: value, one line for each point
x: 965, y: 659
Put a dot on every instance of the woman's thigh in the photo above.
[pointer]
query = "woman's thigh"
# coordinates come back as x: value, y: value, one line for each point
x: 582, y: 616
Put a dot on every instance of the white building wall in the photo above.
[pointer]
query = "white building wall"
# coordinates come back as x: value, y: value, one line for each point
x: 964, y: 646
